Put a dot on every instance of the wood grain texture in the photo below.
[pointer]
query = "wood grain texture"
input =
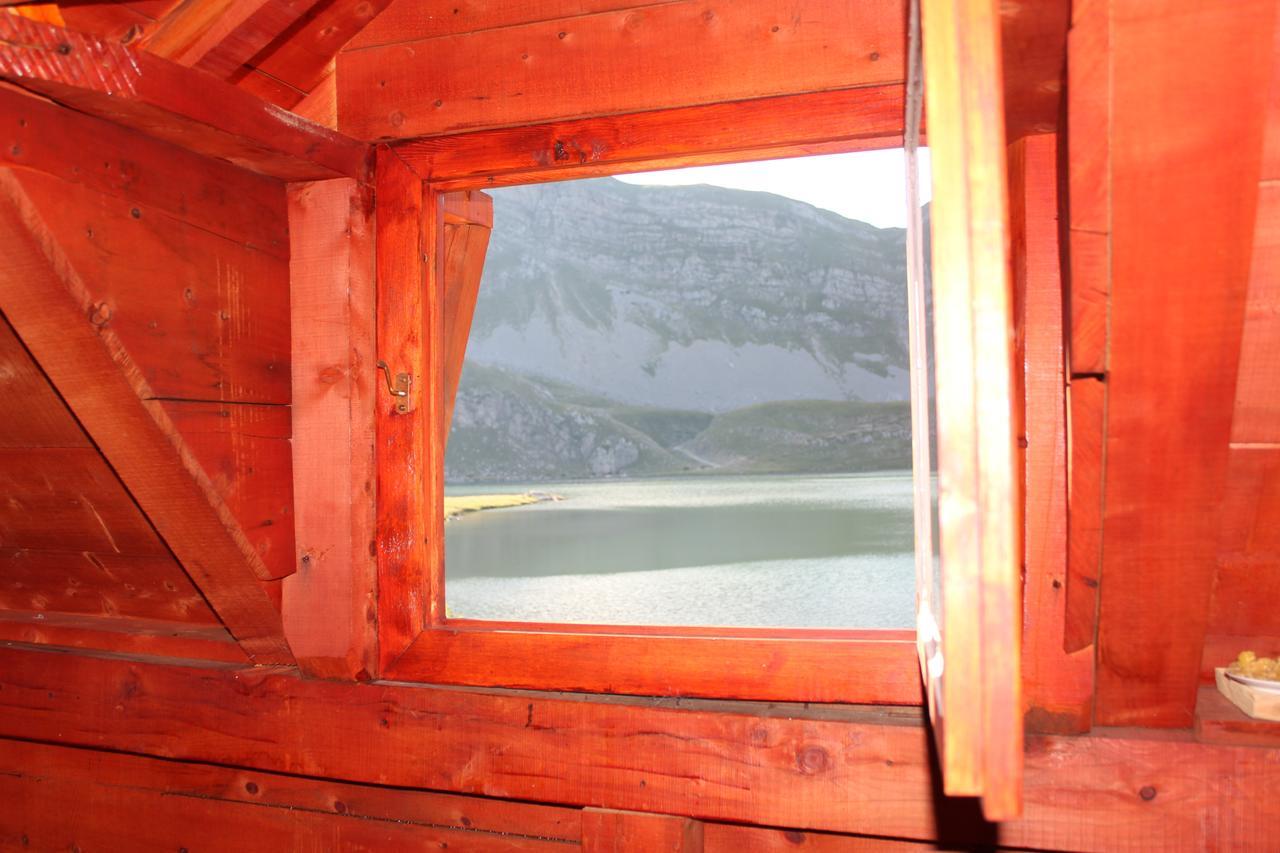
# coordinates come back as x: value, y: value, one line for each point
x: 203, y: 318
x: 165, y: 100
x: 36, y: 415
x: 1185, y: 164
x: 979, y: 492
x: 151, y: 638
x: 1257, y: 402
x: 91, y: 583
x: 818, y: 769
x: 68, y: 499
x: 1220, y: 721
x: 664, y: 663
x: 1057, y: 686
x: 1033, y: 46
x: 296, y: 63
x: 50, y: 308
x: 613, y: 831
x: 140, y: 171
x: 246, y: 452
x: 467, y: 221
x: 329, y: 603
x: 243, y: 799
x: 1088, y: 413
x: 409, y: 548
x: 664, y: 55
x: 219, y: 36
x: 792, y: 125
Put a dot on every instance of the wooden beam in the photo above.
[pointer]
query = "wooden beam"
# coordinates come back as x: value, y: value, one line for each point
x: 219, y: 36
x: 188, y: 108
x: 1057, y: 687
x: 153, y: 638
x: 672, y: 54
x: 329, y: 602
x: 1182, y: 226
x: 836, y: 769
x: 410, y: 454
x: 844, y: 120
x: 468, y: 221
x: 48, y: 306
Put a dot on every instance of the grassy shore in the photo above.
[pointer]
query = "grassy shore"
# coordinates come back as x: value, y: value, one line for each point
x: 455, y: 506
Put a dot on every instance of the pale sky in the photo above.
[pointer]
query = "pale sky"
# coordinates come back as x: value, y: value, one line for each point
x: 869, y: 186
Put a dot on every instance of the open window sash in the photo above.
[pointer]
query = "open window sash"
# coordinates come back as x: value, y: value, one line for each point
x: 968, y: 592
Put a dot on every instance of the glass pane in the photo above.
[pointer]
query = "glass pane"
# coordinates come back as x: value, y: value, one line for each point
x: 686, y: 402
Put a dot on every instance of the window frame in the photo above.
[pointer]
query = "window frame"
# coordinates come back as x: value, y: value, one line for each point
x: 418, y: 642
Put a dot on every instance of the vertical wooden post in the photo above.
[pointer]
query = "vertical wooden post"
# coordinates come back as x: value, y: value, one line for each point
x: 328, y: 603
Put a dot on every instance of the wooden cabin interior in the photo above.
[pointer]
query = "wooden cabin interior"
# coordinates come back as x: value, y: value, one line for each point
x: 240, y: 245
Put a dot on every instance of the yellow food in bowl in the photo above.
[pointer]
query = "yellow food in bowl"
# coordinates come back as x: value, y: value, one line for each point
x: 1250, y: 665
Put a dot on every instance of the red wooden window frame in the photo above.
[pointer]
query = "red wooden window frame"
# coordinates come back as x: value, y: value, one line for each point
x: 417, y: 641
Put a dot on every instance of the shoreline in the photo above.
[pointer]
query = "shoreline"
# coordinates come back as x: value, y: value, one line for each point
x: 456, y: 506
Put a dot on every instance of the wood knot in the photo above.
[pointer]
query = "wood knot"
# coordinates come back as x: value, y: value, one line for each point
x: 794, y: 836
x: 100, y: 314
x: 1147, y: 793
x: 812, y: 760
x: 63, y: 48
x: 251, y: 787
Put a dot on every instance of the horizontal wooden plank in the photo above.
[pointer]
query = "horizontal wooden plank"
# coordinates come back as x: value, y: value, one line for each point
x: 665, y: 55
x: 100, y: 584
x: 68, y: 499
x: 246, y: 793
x: 839, y: 769
x: 614, y: 831
x: 1220, y: 721
x: 186, y: 107
x: 795, y: 125
x: 246, y: 452
x: 803, y: 670
x: 202, y: 317
x: 147, y: 637
x: 37, y: 417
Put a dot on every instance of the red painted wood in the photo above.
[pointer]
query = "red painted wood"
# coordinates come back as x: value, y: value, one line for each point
x: 329, y: 605
x: 179, y: 105
x: 154, y: 639
x: 612, y: 831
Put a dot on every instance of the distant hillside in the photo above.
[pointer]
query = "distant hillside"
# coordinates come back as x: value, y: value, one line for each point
x: 629, y: 331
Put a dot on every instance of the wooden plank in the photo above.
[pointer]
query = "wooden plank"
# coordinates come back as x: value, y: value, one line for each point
x: 784, y: 766
x: 122, y: 636
x: 409, y: 546
x: 613, y: 831
x: 1185, y: 164
x: 474, y: 820
x: 1257, y: 402
x: 71, y: 808
x: 329, y: 603
x: 143, y: 172
x: 219, y: 36
x: 37, y: 415
x: 246, y: 452
x: 298, y: 61
x: 202, y: 318
x: 1088, y: 412
x: 169, y: 102
x: 1057, y: 686
x: 468, y: 221
x: 409, y: 21
x: 100, y: 584
x: 67, y: 499
x: 979, y: 493
x: 850, y: 119
x: 1219, y: 721
x: 49, y: 307
x: 665, y: 663
x: 1033, y: 47
x: 665, y: 55
x: 117, y: 21
x: 727, y: 838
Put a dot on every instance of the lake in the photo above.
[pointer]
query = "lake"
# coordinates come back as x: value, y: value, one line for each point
x: 781, y: 551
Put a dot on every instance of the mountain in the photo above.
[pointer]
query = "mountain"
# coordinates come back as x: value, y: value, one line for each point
x: 633, y: 330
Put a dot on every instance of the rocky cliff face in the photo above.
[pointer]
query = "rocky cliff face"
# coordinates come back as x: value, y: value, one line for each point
x: 616, y: 324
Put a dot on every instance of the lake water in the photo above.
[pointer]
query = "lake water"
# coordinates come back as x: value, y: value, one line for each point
x: 784, y: 551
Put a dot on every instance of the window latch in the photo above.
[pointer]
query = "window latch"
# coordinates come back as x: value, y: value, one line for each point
x: 400, y: 388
